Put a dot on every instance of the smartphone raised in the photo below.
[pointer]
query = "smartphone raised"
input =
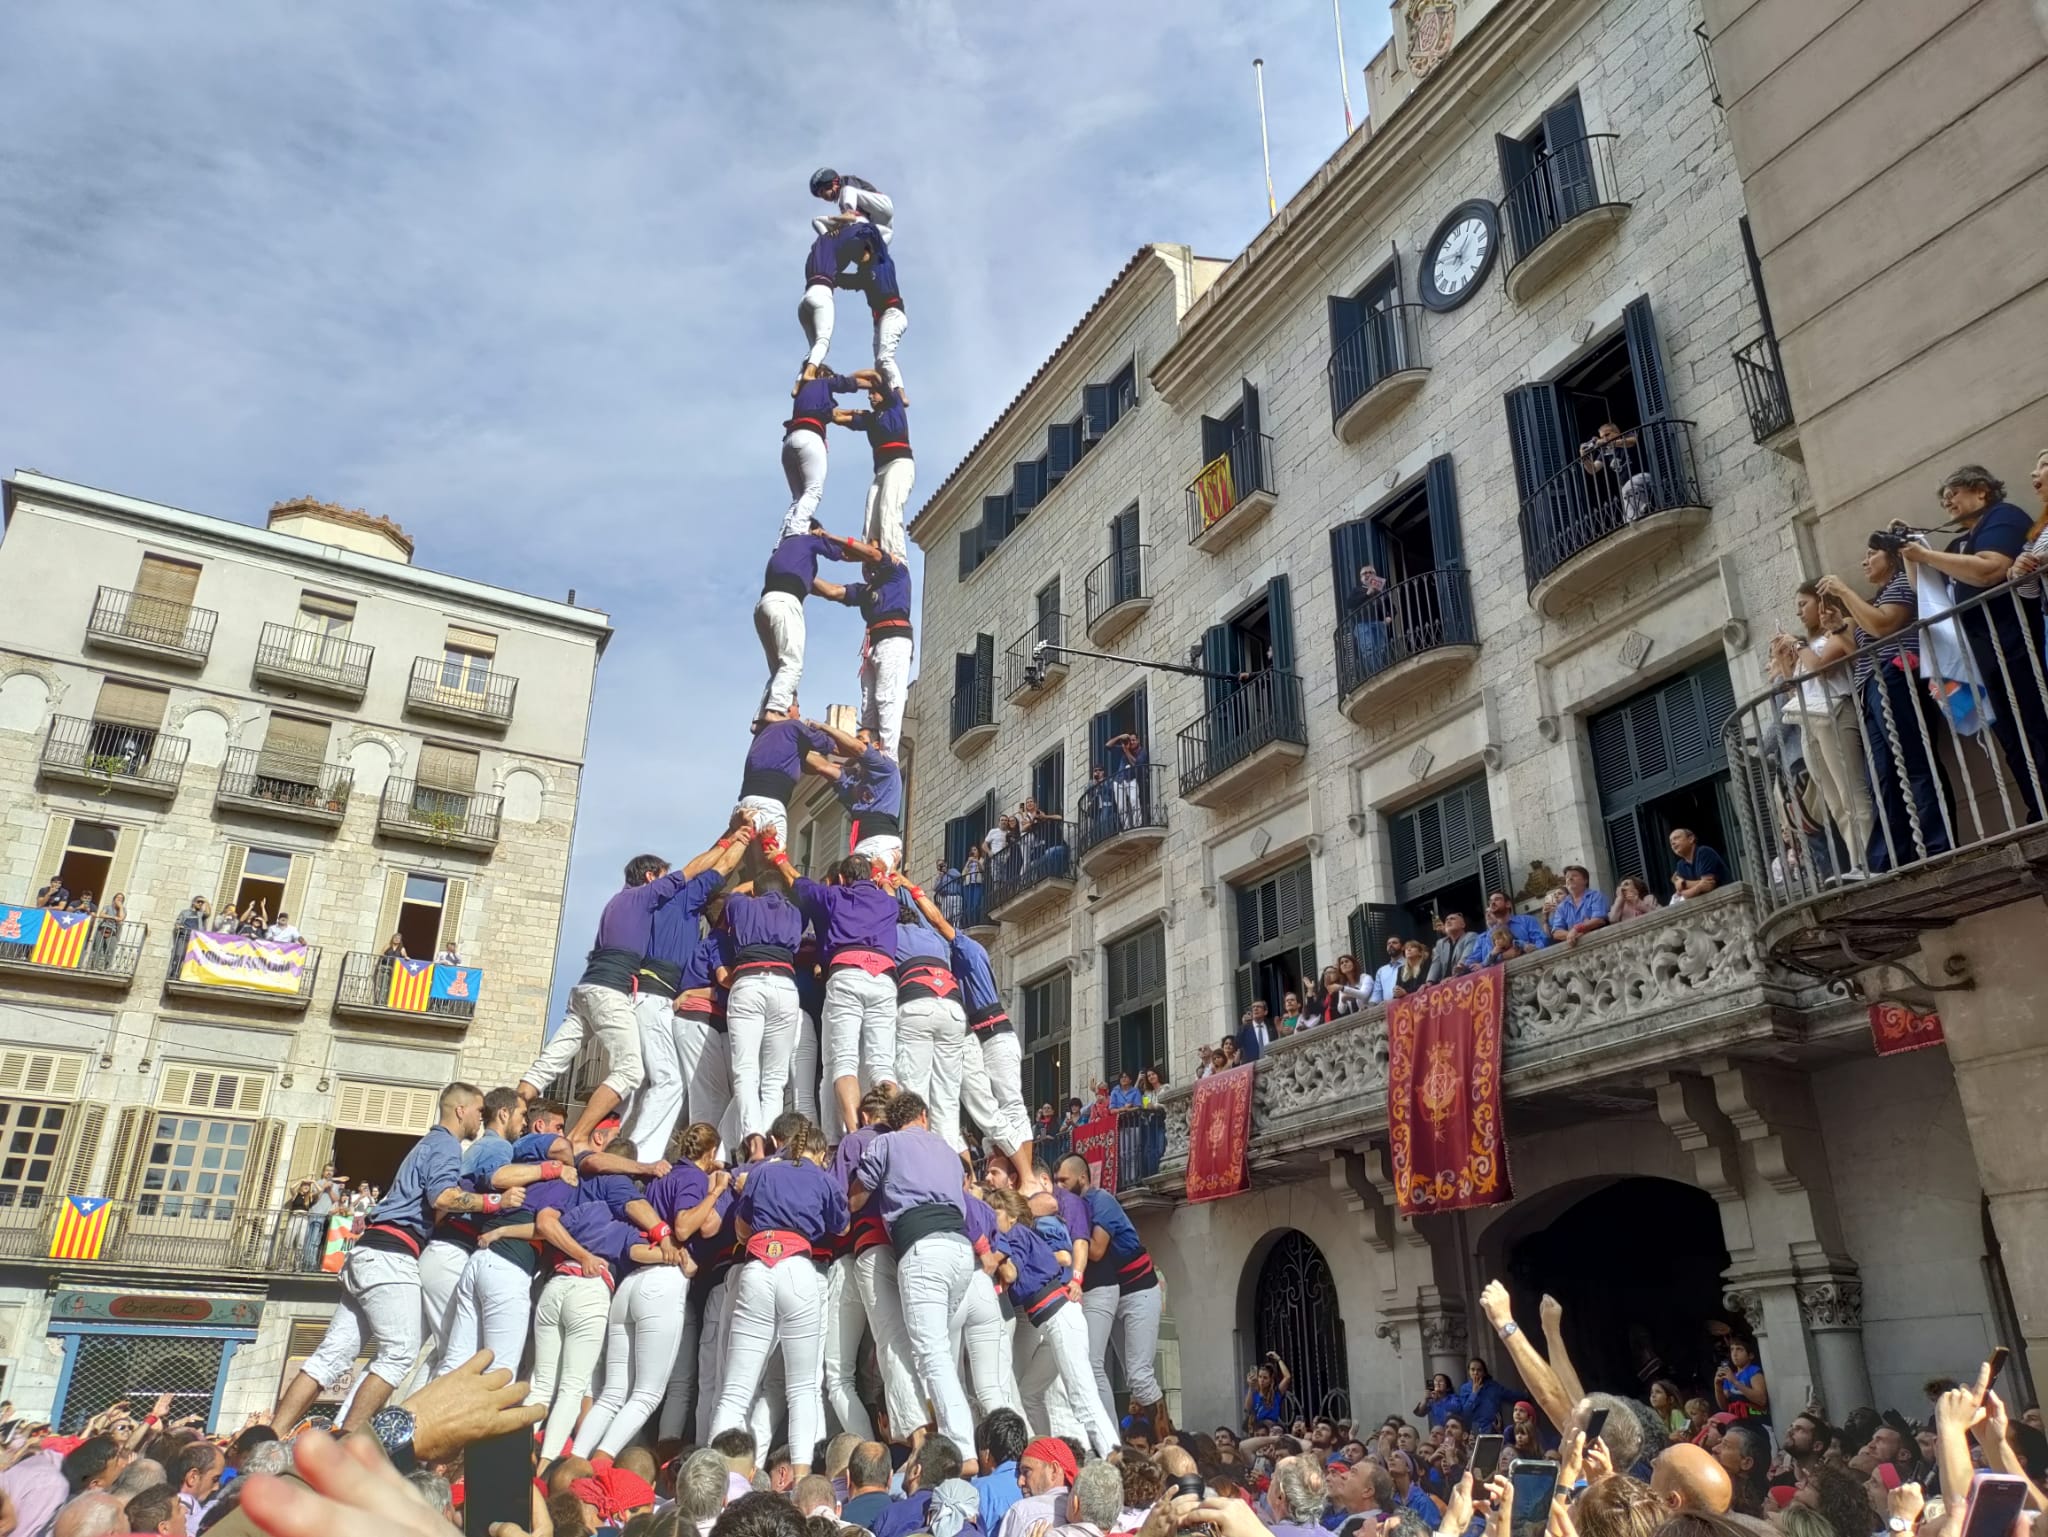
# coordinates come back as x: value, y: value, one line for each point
x: 497, y: 1482
x: 1995, y: 1503
x: 1595, y: 1423
x: 1535, y: 1485
x: 1999, y: 1356
x: 1486, y: 1458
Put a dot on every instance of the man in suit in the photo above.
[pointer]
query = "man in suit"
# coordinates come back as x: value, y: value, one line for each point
x: 1459, y: 951
x: 1256, y: 1033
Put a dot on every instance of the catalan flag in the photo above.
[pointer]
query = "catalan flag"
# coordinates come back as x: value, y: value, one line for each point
x: 81, y: 1227
x: 61, y: 941
x: 412, y: 983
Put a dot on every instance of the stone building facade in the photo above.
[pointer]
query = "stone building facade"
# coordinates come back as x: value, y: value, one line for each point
x: 295, y: 717
x: 1541, y: 232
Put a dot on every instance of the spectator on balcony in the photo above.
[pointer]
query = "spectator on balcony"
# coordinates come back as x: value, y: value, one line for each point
x: 973, y: 874
x: 447, y: 955
x: 1384, y: 979
x: 1290, y: 1015
x: 946, y: 890
x: 1098, y: 804
x: 2026, y: 566
x: 1610, y: 458
x: 1125, y: 1095
x: 107, y: 932
x: 1526, y: 928
x: 85, y: 903
x: 55, y: 896
x: 1699, y: 869
x: 255, y: 919
x: 1502, y: 946
x: 1255, y: 1032
x: 1150, y: 1086
x: 1581, y: 912
x: 1459, y: 951
x: 1206, y: 1060
x: 194, y: 918
x: 1132, y: 776
x: 1632, y: 899
x: 1824, y: 709
x: 1227, y: 1054
x: 394, y: 948
x: 283, y: 931
x: 2003, y: 632
x: 1886, y: 666
x: 1413, y: 974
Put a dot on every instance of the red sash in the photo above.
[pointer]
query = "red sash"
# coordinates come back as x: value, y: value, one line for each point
x: 873, y: 962
x: 772, y: 1245
x: 868, y: 1231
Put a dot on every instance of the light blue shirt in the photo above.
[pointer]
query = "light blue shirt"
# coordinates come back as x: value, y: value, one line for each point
x: 1383, y: 983
x: 1528, y: 933
x: 1571, y: 913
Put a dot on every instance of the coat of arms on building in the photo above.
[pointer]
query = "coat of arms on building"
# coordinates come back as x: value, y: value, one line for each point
x: 1432, y: 26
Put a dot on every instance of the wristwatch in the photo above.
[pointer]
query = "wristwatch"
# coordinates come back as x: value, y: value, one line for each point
x: 1900, y: 1525
x: 393, y: 1428
x: 1509, y: 1329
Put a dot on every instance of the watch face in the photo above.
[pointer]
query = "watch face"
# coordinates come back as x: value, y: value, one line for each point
x: 1460, y: 254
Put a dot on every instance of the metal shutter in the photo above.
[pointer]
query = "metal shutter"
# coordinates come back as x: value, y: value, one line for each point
x: 129, y: 704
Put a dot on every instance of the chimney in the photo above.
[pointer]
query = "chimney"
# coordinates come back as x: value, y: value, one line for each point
x: 345, y: 528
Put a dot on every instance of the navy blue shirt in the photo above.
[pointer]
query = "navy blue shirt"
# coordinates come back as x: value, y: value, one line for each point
x: 676, y: 927
x: 977, y: 979
x: 1704, y: 862
x: 1038, y: 1267
x: 604, y: 1235
x: 915, y: 939
x: 1105, y: 1212
x: 613, y: 1191
x: 815, y: 399
x: 795, y: 1195
x: 810, y: 980
x: 793, y: 563
x: 765, y: 918
x: 433, y: 1165
x: 888, y: 430
x: 860, y: 916
x: 871, y: 782
x: 775, y: 759
x: 878, y: 278
x: 2001, y: 529
x: 886, y: 596
x: 836, y: 250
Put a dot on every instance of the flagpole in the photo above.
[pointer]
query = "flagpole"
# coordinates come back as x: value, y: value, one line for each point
x: 1343, y: 74
x: 1265, y: 148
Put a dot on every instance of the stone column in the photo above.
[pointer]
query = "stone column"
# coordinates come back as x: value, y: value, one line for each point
x: 1831, y: 1307
x: 1444, y: 1343
x: 1768, y: 1304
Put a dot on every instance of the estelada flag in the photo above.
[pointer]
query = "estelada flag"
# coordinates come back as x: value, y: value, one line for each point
x: 81, y: 1230
x: 412, y: 983
x: 1446, y: 1139
x: 62, y: 940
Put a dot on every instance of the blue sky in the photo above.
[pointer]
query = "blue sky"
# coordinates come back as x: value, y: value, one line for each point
x: 524, y: 277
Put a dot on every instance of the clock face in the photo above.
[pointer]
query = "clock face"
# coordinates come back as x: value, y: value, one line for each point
x: 1460, y: 254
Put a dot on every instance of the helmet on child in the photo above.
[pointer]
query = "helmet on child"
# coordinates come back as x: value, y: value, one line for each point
x: 823, y: 180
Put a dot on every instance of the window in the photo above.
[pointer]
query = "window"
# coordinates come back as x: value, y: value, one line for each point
x: 1032, y: 480
x: 974, y: 675
x: 446, y: 780
x: 1047, y: 1026
x: 420, y: 914
x: 164, y: 589
x: 1445, y: 858
x: 294, y: 751
x: 1659, y: 763
x: 131, y: 704
x: 1126, y: 717
x: 1104, y: 405
x: 1547, y: 176
x: 1399, y: 577
x: 1049, y: 782
x: 1135, y: 1037
x: 194, y: 1168
x: 254, y: 875
x: 466, y: 659
x: 29, y: 1137
x: 88, y: 859
x: 1048, y: 607
x: 1276, y: 937
x: 1257, y: 638
x: 321, y: 630
x: 966, y: 830
x: 1367, y: 341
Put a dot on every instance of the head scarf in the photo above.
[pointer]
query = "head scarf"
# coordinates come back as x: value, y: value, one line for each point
x: 954, y: 1504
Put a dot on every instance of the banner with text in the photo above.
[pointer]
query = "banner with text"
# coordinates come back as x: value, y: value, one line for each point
x: 238, y: 960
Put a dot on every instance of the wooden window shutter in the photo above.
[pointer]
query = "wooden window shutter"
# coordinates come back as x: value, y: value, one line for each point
x: 40, y: 1074
x: 310, y: 1146
x: 173, y: 581
x: 124, y: 1172
x: 122, y: 873
x: 81, y: 1146
x: 295, y: 883
x: 231, y: 876
x: 249, y: 1097
x: 51, y: 855
x: 260, y: 1181
x: 296, y: 740
x: 447, y: 768
x: 462, y: 638
x: 128, y: 704
x: 387, y: 910
x: 451, y: 914
x: 364, y: 1106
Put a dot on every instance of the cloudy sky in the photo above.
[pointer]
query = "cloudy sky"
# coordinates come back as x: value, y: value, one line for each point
x: 524, y: 277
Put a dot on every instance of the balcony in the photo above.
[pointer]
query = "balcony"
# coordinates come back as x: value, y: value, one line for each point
x: 1121, y: 819
x: 162, y: 629
x: 1554, y: 213
x: 138, y: 759
x: 1234, y: 491
x: 1597, y: 517
x: 1117, y: 596
x: 379, y: 987
x: 424, y: 813
x: 1374, y: 369
x: 438, y: 690
x: 1404, y: 639
x: 1036, y: 869
x: 1582, y: 1026
x: 1029, y: 676
x: 974, y: 713
x: 1765, y: 397
x: 181, y: 1234
x: 277, y: 785
x: 300, y: 659
x: 1260, y: 729
x: 235, y: 968
x: 69, y: 947
x: 1954, y: 824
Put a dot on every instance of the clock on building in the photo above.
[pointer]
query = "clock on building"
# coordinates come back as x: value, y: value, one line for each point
x: 1460, y: 254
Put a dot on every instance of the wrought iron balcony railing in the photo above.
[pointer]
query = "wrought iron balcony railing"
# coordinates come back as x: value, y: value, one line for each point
x: 1028, y: 863
x: 1118, y: 807
x: 139, y: 758
x: 387, y: 988
x: 1384, y: 629
x: 1388, y: 342
x: 302, y: 658
x: 255, y: 778
x: 1027, y: 672
x: 438, y: 687
x: 1240, y: 477
x: 412, y: 809
x: 1568, y: 182
x: 1265, y: 709
x: 159, y: 625
x: 974, y: 705
x: 70, y: 947
x: 1116, y: 582
x: 1647, y: 470
x: 1765, y: 397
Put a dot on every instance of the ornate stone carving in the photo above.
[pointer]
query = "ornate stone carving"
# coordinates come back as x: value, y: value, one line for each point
x: 1635, y: 649
x: 1340, y: 1064
x: 1420, y: 762
x: 1749, y: 1307
x: 1176, y: 1131
x: 1386, y: 1329
x: 1443, y: 1333
x: 1432, y: 28
x: 1832, y: 1304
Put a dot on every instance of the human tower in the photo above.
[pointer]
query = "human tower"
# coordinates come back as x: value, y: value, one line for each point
x: 771, y: 1179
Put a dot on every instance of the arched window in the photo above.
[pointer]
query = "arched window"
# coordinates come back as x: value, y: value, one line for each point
x: 1294, y: 1315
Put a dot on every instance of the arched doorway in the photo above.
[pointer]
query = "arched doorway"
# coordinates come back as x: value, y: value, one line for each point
x: 1294, y: 1315
x: 1637, y: 1265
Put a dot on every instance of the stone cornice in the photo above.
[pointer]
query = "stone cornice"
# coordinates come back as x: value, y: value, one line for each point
x: 1307, y: 240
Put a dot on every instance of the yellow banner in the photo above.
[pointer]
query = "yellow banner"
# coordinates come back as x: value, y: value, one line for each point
x: 236, y: 960
x: 1214, y: 486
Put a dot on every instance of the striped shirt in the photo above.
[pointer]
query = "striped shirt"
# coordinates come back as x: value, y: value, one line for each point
x: 1870, y: 650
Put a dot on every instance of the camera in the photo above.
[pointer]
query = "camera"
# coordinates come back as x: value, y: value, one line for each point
x: 1895, y: 536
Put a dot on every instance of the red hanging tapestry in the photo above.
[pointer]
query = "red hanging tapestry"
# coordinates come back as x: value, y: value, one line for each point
x: 1449, y: 1148
x: 1220, y: 1135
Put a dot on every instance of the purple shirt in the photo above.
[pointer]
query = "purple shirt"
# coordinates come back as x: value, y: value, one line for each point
x: 768, y: 918
x: 775, y: 760
x: 675, y: 929
x: 605, y: 1236
x: 793, y: 563
x: 886, y: 596
x: 848, y: 1154
x: 871, y: 782
x: 713, y: 950
x: 1074, y: 1213
x: 861, y: 916
x: 914, y: 939
x: 1038, y: 1265
x: 677, y: 1191
x: 556, y: 1195
x: 612, y: 1191
x: 911, y: 1167
x: 977, y: 979
x: 627, y: 922
x: 815, y: 400
x: 836, y: 250
x: 795, y: 1195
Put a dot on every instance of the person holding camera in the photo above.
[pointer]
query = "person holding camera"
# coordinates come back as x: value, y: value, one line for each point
x: 1266, y: 1386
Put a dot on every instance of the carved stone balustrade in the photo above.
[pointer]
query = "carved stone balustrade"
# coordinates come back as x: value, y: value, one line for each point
x: 1626, y: 1002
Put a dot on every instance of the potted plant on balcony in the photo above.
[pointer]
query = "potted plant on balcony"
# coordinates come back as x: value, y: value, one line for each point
x: 444, y: 822
x: 337, y: 800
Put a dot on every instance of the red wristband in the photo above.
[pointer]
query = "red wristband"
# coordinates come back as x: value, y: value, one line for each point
x: 658, y: 1233
x: 493, y: 1204
x: 981, y: 1246
x: 550, y: 1169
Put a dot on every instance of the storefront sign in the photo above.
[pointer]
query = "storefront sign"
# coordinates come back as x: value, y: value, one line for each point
x: 155, y: 1308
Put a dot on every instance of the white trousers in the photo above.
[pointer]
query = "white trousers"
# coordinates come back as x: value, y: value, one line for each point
x: 877, y: 210
x: 884, y: 687
x: 1057, y: 1350
x: 1133, y: 1319
x: 557, y: 1054
x: 930, y: 1035
x: 803, y: 1067
x: 889, y: 328
x: 815, y: 312
x: 441, y: 1267
x: 607, y: 1014
x: 845, y: 1319
x: 642, y: 1332
x: 492, y: 1310
x: 977, y: 1328
x: 768, y: 812
x: 779, y: 1307
x: 992, y: 1089
x: 879, y: 1284
x: 779, y: 623
x: 650, y: 1120
x: 568, y: 1342
x: 803, y: 465
x: 380, y: 1302
x: 711, y: 1353
x: 888, y: 495
x: 858, y: 1027
x: 933, y: 1278
x: 1128, y: 810
x: 885, y: 848
x: 762, y: 1016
